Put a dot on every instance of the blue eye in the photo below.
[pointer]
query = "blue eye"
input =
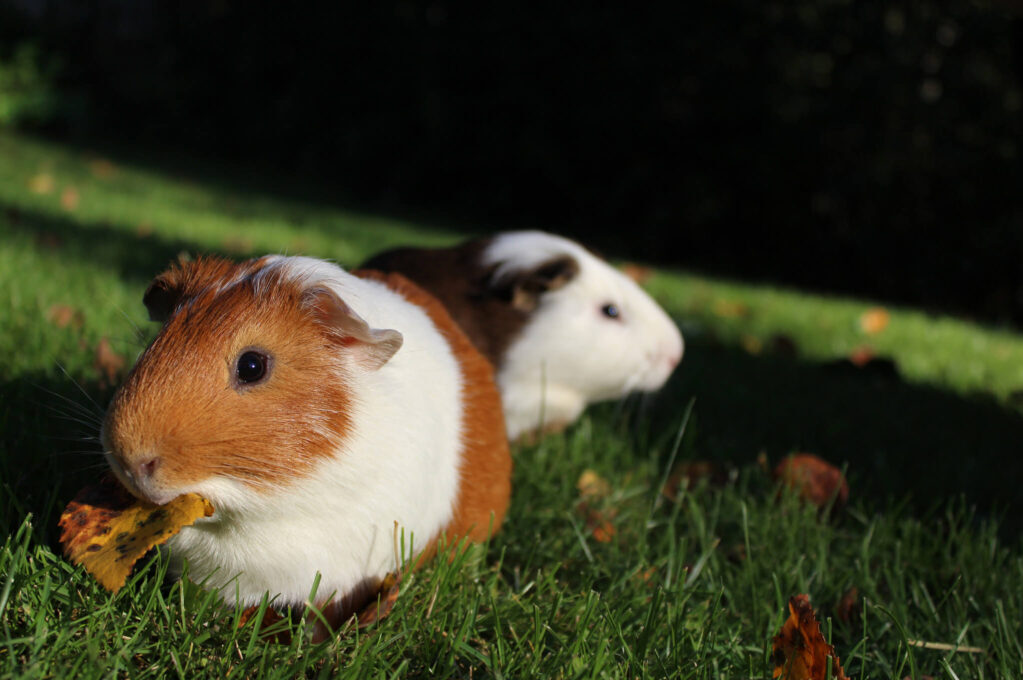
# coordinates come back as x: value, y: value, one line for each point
x: 610, y: 311
x: 251, y: 368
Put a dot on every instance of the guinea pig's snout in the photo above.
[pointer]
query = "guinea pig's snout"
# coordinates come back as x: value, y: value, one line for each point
x: 144, y: 469
x: 137, y: 474
x: 666, y: 357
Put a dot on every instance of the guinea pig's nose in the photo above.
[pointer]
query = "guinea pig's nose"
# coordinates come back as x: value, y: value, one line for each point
x: 145, y: 469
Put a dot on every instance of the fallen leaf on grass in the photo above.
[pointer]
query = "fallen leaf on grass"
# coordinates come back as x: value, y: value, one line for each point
x: 848, y: 607
x: 237, y: 244
x: 592, y: 486
x: 102, y: 168
x: 69, y: 199
x: 752, y: 344
x: 600, y: 525
x: 874, y: 320
x: 383, y: 603
x: 729, y: 309
x: 271, y: 618
x: 814, y: 479
x: 799, y: 651
x: 108, y: 362
x: 592, y: 489
x: 42, y: 183
x: 106, y: 529
x: 63, y: 316
x: 646, y: 576
x: 688, y: 473
x: 861, y: 356
x: 862, y: 361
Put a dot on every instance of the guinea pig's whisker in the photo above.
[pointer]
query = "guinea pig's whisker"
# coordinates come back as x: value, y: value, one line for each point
x: 99, y: 409
x: 70, y: 404
x: 139, y: 334
x: 91, y: 426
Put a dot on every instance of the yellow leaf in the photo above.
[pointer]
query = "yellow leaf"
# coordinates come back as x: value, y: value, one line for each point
x: 42, y: 183
x: 730, y: 309
x: 752, y: 344
x: 592, y: 485
x: 106, y: 530
x: 874, y: 320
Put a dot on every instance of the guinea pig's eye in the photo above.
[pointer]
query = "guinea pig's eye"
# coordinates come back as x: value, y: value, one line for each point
x: 611, y: 311
x: 252, y: 367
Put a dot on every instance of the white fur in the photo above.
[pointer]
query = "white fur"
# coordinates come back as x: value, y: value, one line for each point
x: 398, y: 464
x: 570, y: 354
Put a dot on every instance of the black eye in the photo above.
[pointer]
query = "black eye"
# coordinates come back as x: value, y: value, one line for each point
x: 251, y: 368
x: 610, y: 311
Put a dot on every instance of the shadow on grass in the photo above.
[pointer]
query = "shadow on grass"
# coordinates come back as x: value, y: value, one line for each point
x: 898, y: 439
x: 49, y: 429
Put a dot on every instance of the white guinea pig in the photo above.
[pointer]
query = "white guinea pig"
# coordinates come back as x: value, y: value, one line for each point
x: 319, y: 412
x: 562, y: 327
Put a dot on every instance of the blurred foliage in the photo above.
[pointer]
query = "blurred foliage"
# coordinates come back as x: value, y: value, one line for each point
x: 27, y: 94
x: 869, y: 147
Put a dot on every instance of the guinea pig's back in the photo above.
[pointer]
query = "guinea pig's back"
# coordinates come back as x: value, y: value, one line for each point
x: 484, y: 472
x: 458, y: 277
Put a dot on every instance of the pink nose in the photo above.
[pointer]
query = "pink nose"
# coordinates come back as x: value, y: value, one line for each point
x: 145, y: 469
x: 672, y: 359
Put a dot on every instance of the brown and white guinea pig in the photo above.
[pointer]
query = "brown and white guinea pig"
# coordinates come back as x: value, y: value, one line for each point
x: 562, y: 327
x: 317, y: 410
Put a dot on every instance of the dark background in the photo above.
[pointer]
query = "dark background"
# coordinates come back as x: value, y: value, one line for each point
x: 861, y: 147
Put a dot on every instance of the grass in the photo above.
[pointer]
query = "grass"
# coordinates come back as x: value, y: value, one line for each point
x: 691, y: 587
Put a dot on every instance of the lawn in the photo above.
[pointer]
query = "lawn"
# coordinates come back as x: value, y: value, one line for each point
x: 689, y: 586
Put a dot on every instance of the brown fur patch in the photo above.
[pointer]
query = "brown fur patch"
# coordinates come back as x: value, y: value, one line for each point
x: 185, y: 279
x: 485, y: 473
x: 181, y: 401
x: 456, y: 277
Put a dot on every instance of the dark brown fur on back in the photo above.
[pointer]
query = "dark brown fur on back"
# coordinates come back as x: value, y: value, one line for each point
x: 456, y: 277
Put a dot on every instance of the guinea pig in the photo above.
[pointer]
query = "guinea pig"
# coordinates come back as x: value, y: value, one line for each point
x: 562, y: 327
x: 325, y: 415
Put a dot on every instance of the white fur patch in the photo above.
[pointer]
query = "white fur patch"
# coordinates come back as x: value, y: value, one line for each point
x: 570, y: 354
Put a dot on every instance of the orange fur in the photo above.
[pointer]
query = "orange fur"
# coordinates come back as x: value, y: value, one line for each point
x: 211, y: 427
x: 484, y: 490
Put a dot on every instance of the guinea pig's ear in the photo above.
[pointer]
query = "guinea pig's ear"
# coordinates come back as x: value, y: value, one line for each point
x: 524, y: 288
x: 371, y: 347
x: 162, y: 296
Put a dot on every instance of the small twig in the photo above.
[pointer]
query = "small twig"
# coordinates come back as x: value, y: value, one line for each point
x: 433, y: 601
x: 945, y: 647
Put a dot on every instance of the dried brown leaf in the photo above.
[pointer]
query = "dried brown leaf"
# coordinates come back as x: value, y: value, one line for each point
x: 799, y: 651
x: 63, y: 316
x: 814, y: 479
x: 108, y: 362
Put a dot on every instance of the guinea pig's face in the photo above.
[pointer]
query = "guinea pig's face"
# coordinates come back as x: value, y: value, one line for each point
x: 244, y: 388
x: 602, y: 335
